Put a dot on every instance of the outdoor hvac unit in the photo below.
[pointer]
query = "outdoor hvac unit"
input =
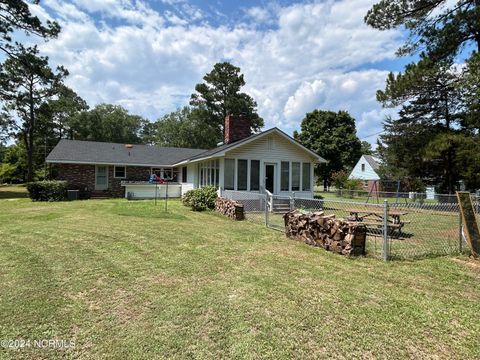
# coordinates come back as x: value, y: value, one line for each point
x: 72, y: 194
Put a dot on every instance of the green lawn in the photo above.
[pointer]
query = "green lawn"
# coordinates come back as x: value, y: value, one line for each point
x: 125, y: 280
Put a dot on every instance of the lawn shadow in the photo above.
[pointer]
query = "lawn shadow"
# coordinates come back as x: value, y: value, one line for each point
x: 12, y: 193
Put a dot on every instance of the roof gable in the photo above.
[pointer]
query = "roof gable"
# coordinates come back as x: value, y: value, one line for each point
x: 222, y: 149
x: 366, y: 168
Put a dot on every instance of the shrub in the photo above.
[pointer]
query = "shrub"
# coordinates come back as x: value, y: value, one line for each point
x: 200, y: 199
x: 353, y: 184
x: 47, y: 190
x: 339, y: 178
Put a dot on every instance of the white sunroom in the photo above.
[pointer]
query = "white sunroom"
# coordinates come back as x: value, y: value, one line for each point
x: 270, y: 161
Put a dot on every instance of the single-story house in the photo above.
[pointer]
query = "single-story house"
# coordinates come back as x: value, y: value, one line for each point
x: 366, y: 169
x: 270, y: 160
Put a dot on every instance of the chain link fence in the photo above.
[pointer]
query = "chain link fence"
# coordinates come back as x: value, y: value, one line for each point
x: 254, y: 204
x: 394, y: 231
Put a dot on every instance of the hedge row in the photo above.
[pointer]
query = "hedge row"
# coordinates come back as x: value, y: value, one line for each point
x: 51, y: 190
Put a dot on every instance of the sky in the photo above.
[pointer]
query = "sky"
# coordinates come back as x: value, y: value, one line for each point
x: 147, y: 55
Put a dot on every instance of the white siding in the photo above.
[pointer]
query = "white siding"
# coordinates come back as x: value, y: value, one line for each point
x: 273, y: 149
x: 192, y: 174
x: 367, y: 174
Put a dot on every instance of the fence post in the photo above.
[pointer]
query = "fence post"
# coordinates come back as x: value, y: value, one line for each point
x: 266, y: 210
x: 460, y: 235
x: 385, y: 230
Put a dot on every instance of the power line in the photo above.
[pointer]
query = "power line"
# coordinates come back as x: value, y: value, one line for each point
x: 377, y: 133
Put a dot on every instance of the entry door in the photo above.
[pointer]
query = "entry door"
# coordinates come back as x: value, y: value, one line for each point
x: 101, y: 177
x: 270, y: 177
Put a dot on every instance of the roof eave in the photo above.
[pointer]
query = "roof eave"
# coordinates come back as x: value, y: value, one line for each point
x: 105, y: 163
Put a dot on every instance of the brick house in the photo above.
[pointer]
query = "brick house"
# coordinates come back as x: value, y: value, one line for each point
x: 270, y: 160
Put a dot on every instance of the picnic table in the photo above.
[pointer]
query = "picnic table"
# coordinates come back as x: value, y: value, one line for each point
x: 374, y: 216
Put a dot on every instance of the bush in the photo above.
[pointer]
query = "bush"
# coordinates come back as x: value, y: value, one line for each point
x: 200, y: 199
x: 339, y: 178
x: 47, y: 190
x: 353, y: 184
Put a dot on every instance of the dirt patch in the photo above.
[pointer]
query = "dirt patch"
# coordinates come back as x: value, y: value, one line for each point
x: 470, y: 263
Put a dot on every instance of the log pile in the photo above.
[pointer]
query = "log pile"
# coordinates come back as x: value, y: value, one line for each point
x: 229, y: 208
x: 317, y: 229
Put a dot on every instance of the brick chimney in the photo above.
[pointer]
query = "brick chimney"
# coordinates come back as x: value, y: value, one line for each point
x: 237, y: 127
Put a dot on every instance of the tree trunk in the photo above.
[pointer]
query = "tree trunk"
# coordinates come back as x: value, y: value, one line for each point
x: 30, y: 135
x: 449, y: 160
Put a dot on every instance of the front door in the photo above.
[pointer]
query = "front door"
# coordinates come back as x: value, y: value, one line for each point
x: 101, y: 177
x: 270, y: 177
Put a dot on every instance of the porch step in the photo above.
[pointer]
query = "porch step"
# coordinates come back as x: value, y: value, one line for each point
x: 100, y: 195
x: 281, y: 208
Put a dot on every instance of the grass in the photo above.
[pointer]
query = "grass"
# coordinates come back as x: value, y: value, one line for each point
x: 126, y: 280
x: 13, y: 191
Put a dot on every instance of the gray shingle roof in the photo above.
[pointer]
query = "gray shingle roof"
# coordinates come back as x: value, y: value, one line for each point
x: 374, y: 162
x: 111, y: 153
x: 93, y: 152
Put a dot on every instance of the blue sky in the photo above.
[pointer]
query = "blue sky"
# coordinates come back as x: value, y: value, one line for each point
x: 296, y: 56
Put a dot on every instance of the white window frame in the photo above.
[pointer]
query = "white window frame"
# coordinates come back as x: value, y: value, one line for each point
x: 309, y: 166
x: 115, y: 172
x: 209, y: 173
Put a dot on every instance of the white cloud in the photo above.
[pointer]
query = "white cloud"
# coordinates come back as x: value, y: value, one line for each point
x: 308, y: 96
x: 313, y: 56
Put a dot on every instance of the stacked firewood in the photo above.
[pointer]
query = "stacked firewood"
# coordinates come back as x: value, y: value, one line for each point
x: 318, y: 229
x: 230, y: 208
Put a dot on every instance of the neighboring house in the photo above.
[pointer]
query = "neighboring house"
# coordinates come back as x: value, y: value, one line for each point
x: 270, y: 160
x: 366, y: 169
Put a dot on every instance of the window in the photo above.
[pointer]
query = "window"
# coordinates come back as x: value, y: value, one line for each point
x: 229, y: 177
x: 184, y: 174
x: 242, y: 175
x: 285, y: 175
x: 162, y: 173
x: 254, y: 175
x: 363, y: 167
x: 120, y: 172
x: 306, y: 177
x: 208, y: 173
x: 168, y: 174
x: 295, y: 176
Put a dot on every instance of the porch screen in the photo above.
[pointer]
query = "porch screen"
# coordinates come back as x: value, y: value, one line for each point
x: 295, y: 176
x: 242, y: 175
x: 254, y: 175
x: 208, y: 173
x: 306, y: 186
x: 229, y: 177
x: 285, y: 170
